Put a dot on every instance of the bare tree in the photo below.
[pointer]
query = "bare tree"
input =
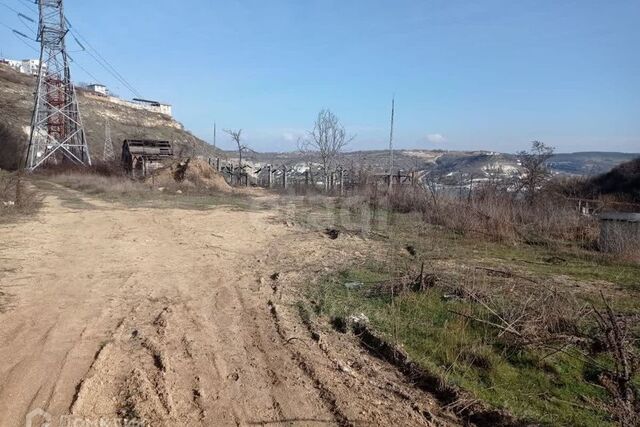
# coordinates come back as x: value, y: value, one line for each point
x: 327, y: 138
x: 535, y: 170
x: 236, y: 135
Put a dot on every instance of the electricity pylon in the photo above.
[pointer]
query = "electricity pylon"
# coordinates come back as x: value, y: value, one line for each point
x: 57, y: 133
x: 108, y: 154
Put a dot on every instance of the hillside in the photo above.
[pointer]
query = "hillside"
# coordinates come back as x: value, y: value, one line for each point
x: 622, y: 181
x: 16, y: 99
x: 588, y: 163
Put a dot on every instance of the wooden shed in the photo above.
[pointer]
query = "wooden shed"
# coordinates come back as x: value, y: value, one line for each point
x: 140, y: 156
x: 620, y: 232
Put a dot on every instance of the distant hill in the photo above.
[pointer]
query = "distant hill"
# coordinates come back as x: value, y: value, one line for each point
x: 588, y: 163
x: 622, y: 181
x: 470, y: 163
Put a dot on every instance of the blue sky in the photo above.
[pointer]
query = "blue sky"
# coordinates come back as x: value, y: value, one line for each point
x: 487, y: 74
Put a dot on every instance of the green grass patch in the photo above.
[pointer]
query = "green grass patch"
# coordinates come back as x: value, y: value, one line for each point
x: 556, y: 390
x: 542, y: 261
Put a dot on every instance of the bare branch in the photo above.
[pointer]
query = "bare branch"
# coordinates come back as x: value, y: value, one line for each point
x: 328, y: 138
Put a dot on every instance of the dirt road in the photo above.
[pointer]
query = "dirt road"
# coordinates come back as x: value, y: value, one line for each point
x: 169, y: 316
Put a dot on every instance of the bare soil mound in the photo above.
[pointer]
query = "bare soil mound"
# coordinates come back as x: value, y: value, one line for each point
x: 190, y: 173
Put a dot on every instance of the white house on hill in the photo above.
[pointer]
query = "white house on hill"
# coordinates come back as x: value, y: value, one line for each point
x: 25, y: 66
x: 98, y: 88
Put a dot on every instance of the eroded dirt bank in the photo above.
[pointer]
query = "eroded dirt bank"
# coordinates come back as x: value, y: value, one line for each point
x: 170, y: 316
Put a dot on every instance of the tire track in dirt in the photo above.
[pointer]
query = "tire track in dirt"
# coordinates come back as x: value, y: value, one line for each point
x: 164, y: 318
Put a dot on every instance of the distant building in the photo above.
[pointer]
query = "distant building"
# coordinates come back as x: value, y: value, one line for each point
x: 25, y: 66
x: 98, y: 88
x: 155, y: 106
x: 13, y: 64
x: 30, y: 66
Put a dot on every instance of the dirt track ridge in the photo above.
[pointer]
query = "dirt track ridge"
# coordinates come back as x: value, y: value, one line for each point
x: 166, y: 316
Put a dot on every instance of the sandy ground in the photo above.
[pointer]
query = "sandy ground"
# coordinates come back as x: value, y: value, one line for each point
x: 169, y: 316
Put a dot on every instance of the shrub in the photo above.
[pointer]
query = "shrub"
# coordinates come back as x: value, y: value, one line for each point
x: 494, y: 213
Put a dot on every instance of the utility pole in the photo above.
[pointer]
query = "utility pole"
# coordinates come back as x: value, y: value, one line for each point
x: 57, y: 133
x: 393, y: 109
x: 108, y: 154
x: 214, y: 136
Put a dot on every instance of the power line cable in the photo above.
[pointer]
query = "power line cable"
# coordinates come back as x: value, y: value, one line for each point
x: 121, y: 80
x: 93, y: 52
x: 82, y: 68
x: 25, y: 43
x: 10, y: 8
x: 101, y: 59
x: 20, y: 36
x: 28, y: 5
x: 21, y: 17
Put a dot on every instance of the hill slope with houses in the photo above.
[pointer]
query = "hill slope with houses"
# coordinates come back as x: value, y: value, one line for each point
x: 126, y: 121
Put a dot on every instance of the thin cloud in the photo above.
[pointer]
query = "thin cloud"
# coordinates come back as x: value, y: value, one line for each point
x: 436, y: 138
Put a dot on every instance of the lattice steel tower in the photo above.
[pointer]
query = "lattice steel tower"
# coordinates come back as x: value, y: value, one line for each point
x: 108, y: 154
x: 57, y: 134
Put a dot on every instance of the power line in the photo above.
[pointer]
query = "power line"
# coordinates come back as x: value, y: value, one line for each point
x: 9, y: 7
x: 5, y: 25
x: 83, y: 69
x: 21, y: 16
x: 20, y: 36
x: 27, y: 44
x: 95, y: 54
x: 28, y: 5
x: 121, y: 80
x: 91, y: 51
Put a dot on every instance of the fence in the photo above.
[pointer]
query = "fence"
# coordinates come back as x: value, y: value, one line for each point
x: 337, y: 180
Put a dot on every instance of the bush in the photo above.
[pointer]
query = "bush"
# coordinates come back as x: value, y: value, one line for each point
x: 494, y: 213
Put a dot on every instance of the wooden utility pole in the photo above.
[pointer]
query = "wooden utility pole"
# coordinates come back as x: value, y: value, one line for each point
x: 393, y: 109
x: 214, y: 135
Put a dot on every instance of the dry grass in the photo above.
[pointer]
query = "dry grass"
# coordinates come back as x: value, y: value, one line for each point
x: 506, y: 300
x: 16, y: 196
x: 100, y: 184
x: 494, y: 215
x: 109, y: 183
